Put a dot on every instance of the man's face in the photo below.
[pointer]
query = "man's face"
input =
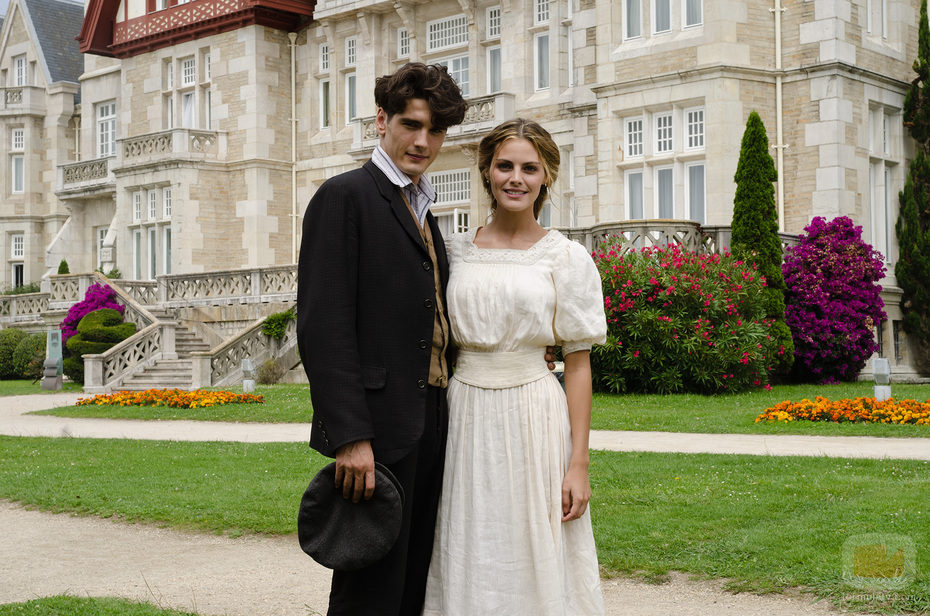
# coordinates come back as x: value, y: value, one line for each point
x: 409, y: 138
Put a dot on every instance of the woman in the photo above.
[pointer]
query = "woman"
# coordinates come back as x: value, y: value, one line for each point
x: 514, y: 532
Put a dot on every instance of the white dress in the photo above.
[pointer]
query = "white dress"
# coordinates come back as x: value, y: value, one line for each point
x: 500, y: 546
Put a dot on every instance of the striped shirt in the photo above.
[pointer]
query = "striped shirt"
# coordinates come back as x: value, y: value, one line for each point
x: 420, y: 197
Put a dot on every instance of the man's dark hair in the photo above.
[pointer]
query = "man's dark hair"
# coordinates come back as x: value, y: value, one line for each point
x: 432, y: 83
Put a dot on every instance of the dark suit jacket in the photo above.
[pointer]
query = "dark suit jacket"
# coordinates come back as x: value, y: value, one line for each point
x: 365, y: 310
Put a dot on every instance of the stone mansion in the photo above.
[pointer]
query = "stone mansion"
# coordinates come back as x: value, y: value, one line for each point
x: 169, y: 137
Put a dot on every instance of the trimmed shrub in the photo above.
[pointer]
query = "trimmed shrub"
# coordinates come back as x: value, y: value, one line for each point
x: 680, y: 321
x: 270, y: 372
x: 9, y: 339
x: 29, y: 357
x: 833, y: 300
x: 97, y: 332
x: 275, y: 325
x: 63, y: 267
x: 96, y: 297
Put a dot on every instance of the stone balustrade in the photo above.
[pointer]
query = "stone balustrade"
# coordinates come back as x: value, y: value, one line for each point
x: 222, y: 366
x: 185, y: 143
x: 85, y: 174
x: 23, y: 307
x: 105, y: 371
x: 144, y: 292
x: 21, y: 99
x: 277, y: 283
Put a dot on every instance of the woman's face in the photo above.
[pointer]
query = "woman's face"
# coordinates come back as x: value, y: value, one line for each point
x: 516, y: 176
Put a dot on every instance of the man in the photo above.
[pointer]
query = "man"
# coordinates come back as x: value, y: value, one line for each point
x: 373, y: 334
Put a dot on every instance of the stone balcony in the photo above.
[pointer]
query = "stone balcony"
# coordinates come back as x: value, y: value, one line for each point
x: 23, y: 100
x: 86, y: 179
x: 483, y: 114
x: 331, y: 8
x: 186, y: 144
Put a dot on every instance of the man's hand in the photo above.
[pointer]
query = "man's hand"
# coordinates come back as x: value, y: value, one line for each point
x: 550, y: 357
x: 355, y: 470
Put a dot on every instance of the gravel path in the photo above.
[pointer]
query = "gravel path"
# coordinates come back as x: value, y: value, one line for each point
x: 43, y: 554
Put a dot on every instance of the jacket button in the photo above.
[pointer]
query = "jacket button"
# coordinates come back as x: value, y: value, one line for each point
x: 428, y: 303
x: 423, y: 344
x: 427, y: 265
x: 421, y: 384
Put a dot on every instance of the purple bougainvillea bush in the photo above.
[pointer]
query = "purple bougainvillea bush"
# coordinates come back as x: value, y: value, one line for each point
x: 833, y: 300
x: 97, y: 296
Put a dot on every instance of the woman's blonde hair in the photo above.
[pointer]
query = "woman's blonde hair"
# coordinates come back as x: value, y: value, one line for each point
x: 541, y: 140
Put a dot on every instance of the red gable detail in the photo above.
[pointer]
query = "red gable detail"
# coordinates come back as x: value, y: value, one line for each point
x: 97, y: 30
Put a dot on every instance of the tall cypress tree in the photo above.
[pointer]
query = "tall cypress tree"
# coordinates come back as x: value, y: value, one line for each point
x: 755, y: 228
x: 913, y: 227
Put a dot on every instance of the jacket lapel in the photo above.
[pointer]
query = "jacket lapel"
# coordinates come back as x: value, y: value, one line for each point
x: 391, y: 194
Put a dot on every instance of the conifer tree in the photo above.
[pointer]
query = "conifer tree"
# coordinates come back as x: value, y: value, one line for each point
x: 912, y: 269
x: 755, y: 228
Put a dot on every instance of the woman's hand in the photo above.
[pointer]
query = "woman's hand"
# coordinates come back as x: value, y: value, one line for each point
x: 576, y: 492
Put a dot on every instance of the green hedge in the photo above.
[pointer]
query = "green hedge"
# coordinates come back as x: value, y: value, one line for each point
x: 9, y: 340
x: 97, y: 331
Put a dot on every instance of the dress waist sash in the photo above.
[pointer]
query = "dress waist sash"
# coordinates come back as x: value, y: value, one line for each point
x: 499, y: 370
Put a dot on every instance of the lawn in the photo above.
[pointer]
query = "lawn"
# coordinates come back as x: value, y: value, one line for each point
x: 765, y: 523
x: 733, y: 413
x: 85, y: 606
x: 21, y: 387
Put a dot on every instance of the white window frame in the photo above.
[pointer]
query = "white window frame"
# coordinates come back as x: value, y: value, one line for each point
x: 208, y: 109
x: 207, y: 67
x: 188, y: 109
x: 628, y: 23
x: 169, y: 113
x: 18, y: 139
x: 152, y: 261
x: 325, y: 103
x: 188, y: 71
x: 351, y: 51
x: 161, y: 5
x: 494, y: 88
x: 664, y: 130
x: 642, y: 191
x: 459, y: 66
x: 689, y: 206
x: 324, y: 57
x: 634, y: 137
x: 18, y: 170
x: 655, y: 16
x: 166, y: 203
x: 540, y: 12
x: 166, y: 250
x: 446, y: 33
x: 101, y: 238
x: 137, y: 206
x: 695, y: 128
x: 657, y: 191
x: 571, y: 54
x: 18, y: 274
x: 538, y: 72
x: 684, y: 14
x: 20, y: 75
x: 169, y: 75
x: 492, y: 30
x: 18, y: 246
x: 153, y: 204
x: 106, y: 129
x: 452, y: 186
x: 403, y: 43
x: 351, y: 97
x: 137, y: 254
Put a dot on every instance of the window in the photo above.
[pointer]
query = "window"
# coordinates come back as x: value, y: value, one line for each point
x: 695, y: 123
x: 494, y: 69
x: 188, y: 72
x: 694, y: 13
x: 207, y: 109
x: 350, y: 51
x: 101, y: 238
x: 541, y: 64
x: 137, y: 254
x: 446, y: 33
x: 663, y: 132
x: 455, y: 221
x: 880, y: 338
x: 351, y: 111
x: 153, y: 204
x: 876, y: 13
x: 169, y: 111
x: 452, y: 186
x: 106, y: 129
x: 403, y: 43
x: 153, y: 253
x: 166, y: 203
x: 161, y: 5
x: 324, y: 57
x: 663, y: 17
x: 695, y: 192
x: 324, y: 103
x: 634, y: 137
x: 19, y: 70
x: 19, y: 173
x: 19, y: 278
x: 634, y: 194
x: 885, y: 161
x: 634, y: 18
x: 206, y: 67
x: 136, y: 207
x: 167, y: 251
x: 540, y: 11
x: 567, y: 36
x: 18, y: 140
x: 187, y: 110
x: 17, y: 246
x: 493, y: 29
x: 458, y: 69
x: 665, y: 192
x: 169, y: 75
x: 897, y: 335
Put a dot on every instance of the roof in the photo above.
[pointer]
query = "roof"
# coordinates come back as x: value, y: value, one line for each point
x: 56, y: 24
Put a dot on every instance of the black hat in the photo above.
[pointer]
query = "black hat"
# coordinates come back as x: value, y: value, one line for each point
x: 340, y: 534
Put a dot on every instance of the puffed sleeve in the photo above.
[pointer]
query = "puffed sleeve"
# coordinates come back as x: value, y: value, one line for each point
x: 579, y: 301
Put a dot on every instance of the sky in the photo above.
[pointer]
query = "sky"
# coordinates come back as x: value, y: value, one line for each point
x: 3, y: 5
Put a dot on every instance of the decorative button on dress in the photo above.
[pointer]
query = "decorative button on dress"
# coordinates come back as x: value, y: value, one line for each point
x: 500, y: 546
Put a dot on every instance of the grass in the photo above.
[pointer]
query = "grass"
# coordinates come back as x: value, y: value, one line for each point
x: 85, y: 606
x: 21, y: 387
x: 672, y: 413
x: 765, y: 523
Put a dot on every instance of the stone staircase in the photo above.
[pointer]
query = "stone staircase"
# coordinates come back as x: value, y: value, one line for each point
x: 169, y: 373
